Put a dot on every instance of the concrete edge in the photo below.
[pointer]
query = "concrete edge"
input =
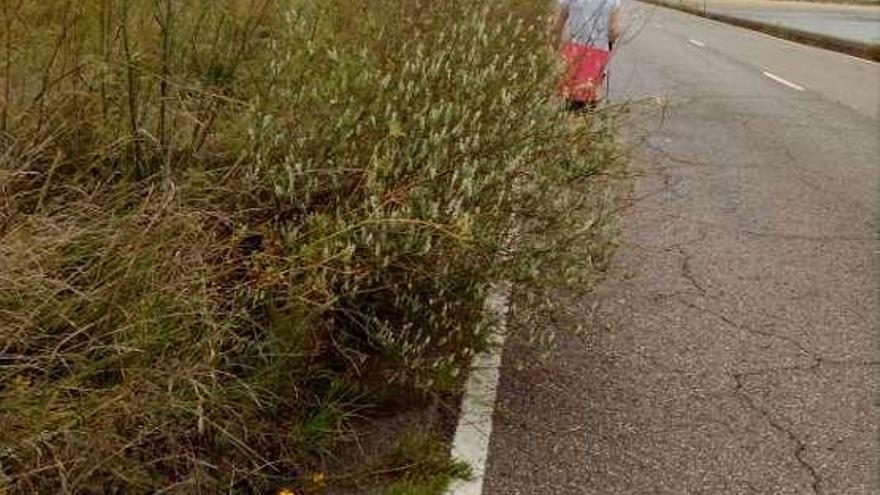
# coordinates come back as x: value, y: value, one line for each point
x: 866, y: 51
x: 474, y: 429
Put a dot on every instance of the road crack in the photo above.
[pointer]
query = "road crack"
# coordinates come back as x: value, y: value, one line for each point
x: 731, y: 322
x: 817, y: 360
x: 687, y: 270
x: 800, y: 445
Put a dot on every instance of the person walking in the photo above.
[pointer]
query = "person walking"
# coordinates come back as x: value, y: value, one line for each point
x: 587, y: 31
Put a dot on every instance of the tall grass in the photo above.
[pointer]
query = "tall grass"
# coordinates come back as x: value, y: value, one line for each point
x: 228, y: 227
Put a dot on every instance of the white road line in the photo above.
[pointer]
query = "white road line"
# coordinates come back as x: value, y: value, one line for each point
x: 783, y: 40
x: 752, y: 32
x: 697, y: 43
x: 783, y: 81
x: 471, y: 443
x: 660, y: 26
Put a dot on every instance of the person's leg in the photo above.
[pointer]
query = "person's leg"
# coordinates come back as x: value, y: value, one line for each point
x: 576, y: 106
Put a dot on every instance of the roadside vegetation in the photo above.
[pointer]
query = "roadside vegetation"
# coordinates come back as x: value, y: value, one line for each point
x: 230, y: 231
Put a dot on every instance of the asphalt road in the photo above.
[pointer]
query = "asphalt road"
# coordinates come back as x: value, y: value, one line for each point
x: 734, y: 348
x: 853, y: 22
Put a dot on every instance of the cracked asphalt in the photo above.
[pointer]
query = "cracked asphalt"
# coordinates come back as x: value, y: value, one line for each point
x: 734, y: 347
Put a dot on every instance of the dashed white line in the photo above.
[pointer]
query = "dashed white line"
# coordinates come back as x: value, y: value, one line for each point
x: 697, y: 43
x: 783, y: 81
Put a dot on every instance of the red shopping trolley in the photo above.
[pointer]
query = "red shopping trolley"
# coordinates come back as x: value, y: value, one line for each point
x: 585, y: 74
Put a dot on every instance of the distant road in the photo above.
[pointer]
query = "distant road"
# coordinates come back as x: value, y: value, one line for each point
x: 833, y: 76
x: 733, y: 348
x: 850, y: 22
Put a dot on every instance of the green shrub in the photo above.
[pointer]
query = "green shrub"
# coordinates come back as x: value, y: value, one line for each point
x: 228, y: 227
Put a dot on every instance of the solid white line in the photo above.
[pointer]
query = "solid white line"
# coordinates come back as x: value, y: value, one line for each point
x: 697, y: 43
x: 471, y: 443
x: 783, y: 81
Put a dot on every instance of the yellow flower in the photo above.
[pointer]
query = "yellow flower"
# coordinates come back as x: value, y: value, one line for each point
x: 286, y: 491
x: 319, y: 479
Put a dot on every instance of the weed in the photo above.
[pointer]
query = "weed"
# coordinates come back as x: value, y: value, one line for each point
x: 423, y: 467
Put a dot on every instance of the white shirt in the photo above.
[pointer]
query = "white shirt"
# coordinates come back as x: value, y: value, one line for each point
x: 588, y: 21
